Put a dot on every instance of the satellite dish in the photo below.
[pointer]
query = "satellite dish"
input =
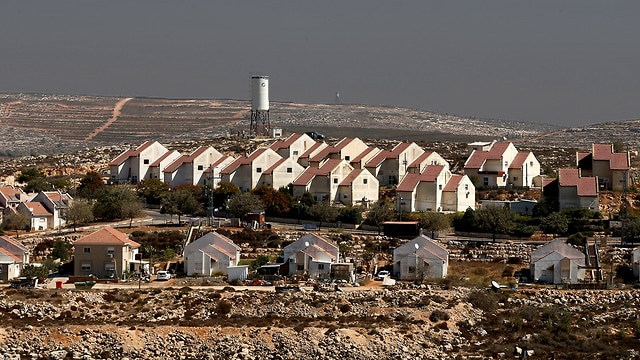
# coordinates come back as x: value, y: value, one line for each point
x: 306, y: 243
x: 495, y: 286
x: 416, y: 246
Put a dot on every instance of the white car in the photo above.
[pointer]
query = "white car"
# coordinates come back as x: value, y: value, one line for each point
x: 383, y: 274
x: 163, y: 275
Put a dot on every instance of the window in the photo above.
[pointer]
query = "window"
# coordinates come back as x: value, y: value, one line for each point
x: 295, y: 152
x: 300, y: 267
x: 347, y: 157
x: 515, y: 178
x: 145, y: 161
x: 200, y: 167
x: 485, y: 181
x: 440, y: 187
x: 344, y: 196
x: 466, y: 186
x: 110, y: 267
x: 259, y: 170
x: 289, y: 170
x: 335, y: 180
x: 110, y: 252
x: 320, y: 266
x: 412, y: 269
x: 86, y: 250
x: 365, y: 181
x: 85, y: 267
x: 530, y: 163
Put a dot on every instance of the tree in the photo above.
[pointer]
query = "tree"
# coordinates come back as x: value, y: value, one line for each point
x: 180, y: 202
x: 114, y: 202
x: 30, y: 174
x: 16, y: 221
x: 223, y: 192
x: 243, y: 203
x: 276, y: 202
x: 60, y: 250
x: 494, y: 220
x: 37, y: 185
x: 35, y: 272
x: 152, y: 190
x: 131, y: 209
x: 555, y: 223
x: 79, y: 212
x: 350, y: 215
x: 380, y: 213
x: 434, y: 221
x: 91, y: 185
x: 323, y: 212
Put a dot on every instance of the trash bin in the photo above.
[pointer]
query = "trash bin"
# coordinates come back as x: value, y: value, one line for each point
x: 58, y: 284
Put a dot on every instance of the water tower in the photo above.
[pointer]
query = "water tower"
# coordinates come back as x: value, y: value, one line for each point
x: 260, y: 124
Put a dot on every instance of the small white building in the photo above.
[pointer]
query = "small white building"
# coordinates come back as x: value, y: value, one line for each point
x: 133, y: 165
x: 13, y: 257
x: 210, y: 253
x: 311, y: 255
x: 419, y: 259
x: 557, y: 262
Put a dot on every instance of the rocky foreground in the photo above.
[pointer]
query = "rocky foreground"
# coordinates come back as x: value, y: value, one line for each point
x: 187, y: 323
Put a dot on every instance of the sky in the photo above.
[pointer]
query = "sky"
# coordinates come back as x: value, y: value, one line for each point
x: 569, y: 63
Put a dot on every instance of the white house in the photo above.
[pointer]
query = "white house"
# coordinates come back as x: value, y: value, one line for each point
x: 13, y: 257
x: 423, y: 192
x: 210, y: 253
x: 189, y: 169
x: 427, y: 158
x: 360, y: 187
x: 459, y: 194
x: 39, y: 217
x: 557, y: 262
x: 419, y: 259
x: 390, y: 166
x: 133, y: 165
x: 345, y: 149
x: 323, y: 182
x: 523, y: 169
x: 571, y: 190
x: 57, y: 203
x: 246, y: 171
x: 156, y: 169
x: 608, y: 166
x: 311, y: 255
x: 491, y: 167
x: 293, y: 146
x: 282, y: 173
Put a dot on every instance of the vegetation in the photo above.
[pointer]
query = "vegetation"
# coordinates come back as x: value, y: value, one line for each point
x: 79, y: 212
x: 91, y: 186
x: 241, y: 204
x: 379, y: 213
x: 180, y: 202
x: 323, y: 212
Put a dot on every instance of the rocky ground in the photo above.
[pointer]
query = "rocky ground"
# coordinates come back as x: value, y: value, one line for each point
x: 434, y: 322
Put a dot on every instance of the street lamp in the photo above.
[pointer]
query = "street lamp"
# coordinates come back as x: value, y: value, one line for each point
x: 415, y: 255
x: 400, y: 207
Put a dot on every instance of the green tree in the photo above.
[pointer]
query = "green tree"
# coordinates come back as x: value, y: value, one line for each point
x: 79, y: 212
x: 494, y: 220
x: 223, y: 193
x: 131, y: 209
x: 152, y: 190
x: 114, y: 202
x: 61, y: 250
x: 323, y: 212
x: 276, y: 202
x: 37, y: 185
x: 35, y: 272
x: 633, y: 230
x: 434, y: 221
x: 307, y: 199
x: 16, y: 221
x: 91, y: 185
x: 243, y: 203
x: 180, y: 202
x: 350, y: 215
x: 555, y: 223
x: 380, y: 213
x: 29, y: 174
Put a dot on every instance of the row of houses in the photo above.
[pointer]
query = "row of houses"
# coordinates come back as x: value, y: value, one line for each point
x: 45, y: 210
x: 349, y: 172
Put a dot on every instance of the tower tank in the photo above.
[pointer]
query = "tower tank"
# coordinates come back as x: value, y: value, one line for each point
x: 259, y: 93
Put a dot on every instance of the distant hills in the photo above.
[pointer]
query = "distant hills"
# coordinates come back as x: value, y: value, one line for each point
x: 45, y: 123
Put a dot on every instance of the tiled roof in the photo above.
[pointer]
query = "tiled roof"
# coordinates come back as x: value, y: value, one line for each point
x: 379, y: 158
x: 274, y: 166
x: 37, y: 209
x: 12, y: 256
x: 307, y: 175
x: 130, y: 153
x: 13, y: 242
x: 58, y: 198
x: 568, y: 177
x: 476, y: 160
x: 185, y: 159
x: 281, y: 144
x: 363, y: 154
x: 222, y: 159
x: 619, y: 161
x: 324, y: 153
x: 585, y: 186
x: 420, y: 159
x: 453, y: 183
x: 557, y: 246
x: 602, y: 151
x: 161, y: 158
x: 519, y: 160
x: 11, y: 193
x: 106, y: 236
x: 243, y: 160
x: 352, y: 176
x: 411, y: 180
x: 344, y: 142
x: 312, y: 149
x: 582, y: 155
x: 497, y: 150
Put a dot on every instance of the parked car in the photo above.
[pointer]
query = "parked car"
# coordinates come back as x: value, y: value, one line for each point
x: 383, y: 274
x: 163, y: 275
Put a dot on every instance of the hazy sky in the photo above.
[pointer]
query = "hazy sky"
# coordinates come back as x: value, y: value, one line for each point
x: 558, y: 62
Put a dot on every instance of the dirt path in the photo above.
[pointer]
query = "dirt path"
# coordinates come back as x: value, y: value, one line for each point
x: 5, y: 114
x: 116, y: 112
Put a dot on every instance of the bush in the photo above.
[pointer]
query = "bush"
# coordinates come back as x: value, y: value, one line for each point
x: 438, y: 315
x: 482, y: 300
x: 224, y: 307
x: 508, y: 271
x: 345, y: 308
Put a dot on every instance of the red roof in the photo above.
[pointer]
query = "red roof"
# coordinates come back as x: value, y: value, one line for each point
x: 519, y: 160
x: 363, y: 154
x: 311, y: 149
x: 130, y: 153
x: 344, y: 142
x: 216, y: 163
x: 13, y: 242
x: 324, y: 153
x: 11, y: 193
x: 602, y: 151
x: 12, y: 256
x: 586, y: 186
x: 568, y: 177
x: 411, y: 180
x: 185, y: 159
x: 619, y: 161
x: 582, y: 155
x: 307, y: 175
x: 352, y: 176
x: 161, y: 158
x: 281, y: 144
x: 476, y: 160
x: 453, y: 183
x: 379, y: 158
x: 497, y: 150
x: 416, y: 163
x: 37, y: 209
x: 278, y: 163
x: 106, y: 236
x: 243, y: 160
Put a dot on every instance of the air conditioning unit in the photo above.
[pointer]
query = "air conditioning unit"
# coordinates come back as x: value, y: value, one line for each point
x: 110, y: 255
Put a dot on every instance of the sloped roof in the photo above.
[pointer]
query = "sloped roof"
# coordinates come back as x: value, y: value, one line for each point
x: 497, y: 150
x: 363, y: 154
x: 307, y: 175
x: 519, y: 160
x: 352, y: 176
x: 476, y: 160
x: 222, y: 159
x: 427, y: 245
x: 130, y: 153
x: 324, y: 153
x: 312, y: 149
x: 556, y: 246
x: 411, y: 180
x: 106, y: 236
x: 11, y: 193
x: 186, y: 159
x: 453, y: 183
x: 243, y: 160
x: 420, y: 159
x: 11, y: 255
x: 161, y: 158
x: 619, y: 161
x: 58, y: 198
x: 274, y: 166
x: 13, y: 242
x: 37, y: 209
x: 344, y: 142
x: 281, y: 144
x: 568, y: 177
x: 602, y: 151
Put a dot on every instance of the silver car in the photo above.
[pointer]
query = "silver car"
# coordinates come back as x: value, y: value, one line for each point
x: 163, y: 275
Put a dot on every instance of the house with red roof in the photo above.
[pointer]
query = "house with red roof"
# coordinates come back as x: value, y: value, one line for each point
x: 345, y: 149
x: 39, y: 217
x: 459, y: 194
x: 210, y: 253
x: 390, y: 166
x: 293, y: 146
x: 246, y: 172
x: 360, y: 187
x: 423, y: 192
x: 306, y: 156
x: 106, y: 253
x: 282, y: 173
x: 572, y: 190
x: 213, y: 174
x: 610, y: 167
x: 13, y: 257
x: 324, y: 181
x: 133, y: 165
x: 11, y: 196
x: 492, y: 167
x: 427, y: 158
x: 190, y: 169
x: 57, y: 203
x: 363, y: 158
x: 157, y: 167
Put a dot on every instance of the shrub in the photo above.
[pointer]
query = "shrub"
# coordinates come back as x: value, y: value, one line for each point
x: 508, y: 271
x: 438, y: 315
x: 482, y: 300
x: 224, y: 307
x: 345, y: 308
